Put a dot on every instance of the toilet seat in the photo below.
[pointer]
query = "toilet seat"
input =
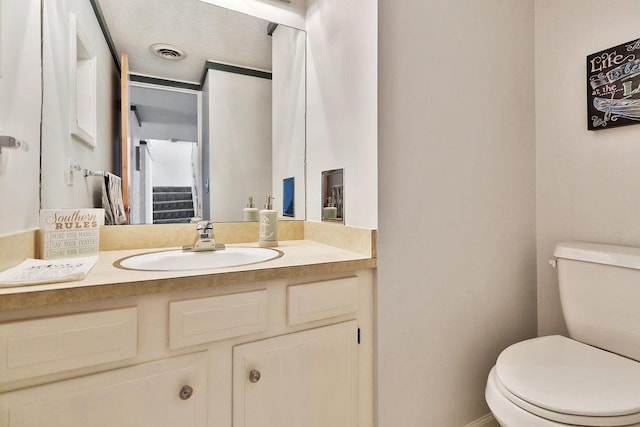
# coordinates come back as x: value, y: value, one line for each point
x: 563, y: 380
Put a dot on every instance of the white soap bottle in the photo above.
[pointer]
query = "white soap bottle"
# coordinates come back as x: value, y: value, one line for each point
x: 268, y: 225
x: 250, y: 213
x: 330, y: 211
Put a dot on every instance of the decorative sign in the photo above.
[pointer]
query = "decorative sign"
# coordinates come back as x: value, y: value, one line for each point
x: 613, y: 86
x: 36, y: 271
x: 69, y: 232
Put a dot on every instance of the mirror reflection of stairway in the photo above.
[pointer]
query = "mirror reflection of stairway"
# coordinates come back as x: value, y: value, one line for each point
x: 172, y: 205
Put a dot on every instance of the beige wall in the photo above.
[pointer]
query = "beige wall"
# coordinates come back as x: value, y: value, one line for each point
x: 20, y: 94
x: 288, y: 120
x: 587, y: 182
x: 456, y: 276
x: 58, y: 143
x: 239, y: 123
x: 342, y: 102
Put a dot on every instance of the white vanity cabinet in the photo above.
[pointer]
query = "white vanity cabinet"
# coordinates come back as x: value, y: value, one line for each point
x: 285, y: 352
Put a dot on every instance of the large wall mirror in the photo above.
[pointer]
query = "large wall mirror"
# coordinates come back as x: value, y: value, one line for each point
x: 216, y: 108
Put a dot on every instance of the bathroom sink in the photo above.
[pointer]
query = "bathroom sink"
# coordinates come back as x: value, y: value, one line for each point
x: 178, y: 260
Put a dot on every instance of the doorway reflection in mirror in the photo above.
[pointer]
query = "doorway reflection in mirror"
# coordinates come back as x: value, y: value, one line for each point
x: 164, y: 144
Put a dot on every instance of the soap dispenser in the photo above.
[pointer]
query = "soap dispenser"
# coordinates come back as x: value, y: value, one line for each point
x: 268, y: 225
x: 330, y: 211
x: 250, y: 213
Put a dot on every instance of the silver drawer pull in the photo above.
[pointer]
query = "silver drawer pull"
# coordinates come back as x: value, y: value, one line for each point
x: 185, y: 392
x: 254, y: 376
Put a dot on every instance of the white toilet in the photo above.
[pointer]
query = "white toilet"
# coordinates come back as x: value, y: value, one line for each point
x: 592, y: 379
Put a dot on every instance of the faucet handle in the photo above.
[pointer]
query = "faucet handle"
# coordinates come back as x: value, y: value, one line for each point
x: 205, y: 228
x: 204, y: 240
x: 203, y: 225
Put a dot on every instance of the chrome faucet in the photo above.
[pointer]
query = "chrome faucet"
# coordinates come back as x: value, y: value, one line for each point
x: 204, y: 240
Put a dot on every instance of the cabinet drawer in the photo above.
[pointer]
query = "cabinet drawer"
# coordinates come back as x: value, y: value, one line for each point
x: 321, y: 300
x: 43, y: 346
x: 203, y: 320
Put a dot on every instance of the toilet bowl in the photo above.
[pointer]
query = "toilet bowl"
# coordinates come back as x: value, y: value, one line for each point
x: 592, y: 378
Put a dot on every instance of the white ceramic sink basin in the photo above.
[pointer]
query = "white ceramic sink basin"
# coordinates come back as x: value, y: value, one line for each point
x: 178, y: 260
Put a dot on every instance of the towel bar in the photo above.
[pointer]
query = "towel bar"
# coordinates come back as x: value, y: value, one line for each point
x: 88, y: 172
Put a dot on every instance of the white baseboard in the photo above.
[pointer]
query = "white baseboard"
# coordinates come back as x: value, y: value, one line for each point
x: 484, y: 421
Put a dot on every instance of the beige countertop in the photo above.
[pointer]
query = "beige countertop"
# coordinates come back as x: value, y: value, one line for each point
x: 301, y: 258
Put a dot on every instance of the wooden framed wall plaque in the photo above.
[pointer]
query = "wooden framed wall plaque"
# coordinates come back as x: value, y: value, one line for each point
x: 613, y: 86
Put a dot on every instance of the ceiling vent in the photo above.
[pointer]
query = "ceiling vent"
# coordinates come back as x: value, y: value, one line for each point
x: 167, y: 51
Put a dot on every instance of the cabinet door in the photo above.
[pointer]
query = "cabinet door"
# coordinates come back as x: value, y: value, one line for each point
x: 305, y: 379
x: 151, y: 394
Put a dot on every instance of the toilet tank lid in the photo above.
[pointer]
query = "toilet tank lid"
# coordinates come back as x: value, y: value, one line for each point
x: 599, y: 253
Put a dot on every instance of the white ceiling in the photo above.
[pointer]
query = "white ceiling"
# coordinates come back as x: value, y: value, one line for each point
x: 165, y: 114
x: 204, y: 31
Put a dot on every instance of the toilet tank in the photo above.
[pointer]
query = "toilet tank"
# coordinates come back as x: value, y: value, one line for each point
x: 600, y: 295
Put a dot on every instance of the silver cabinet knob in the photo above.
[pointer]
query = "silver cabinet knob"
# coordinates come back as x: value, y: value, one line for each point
x: 185, y: 392
x: 254, y: 376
